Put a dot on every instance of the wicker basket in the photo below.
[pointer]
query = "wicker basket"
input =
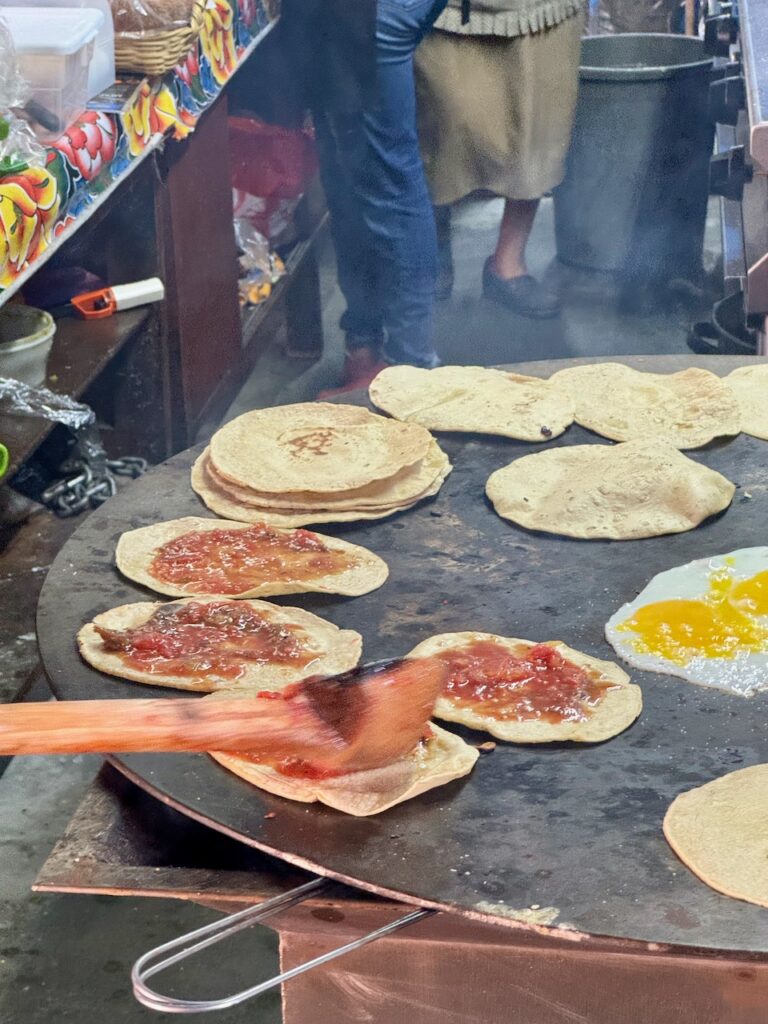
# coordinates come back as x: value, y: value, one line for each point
x: 156, y: 52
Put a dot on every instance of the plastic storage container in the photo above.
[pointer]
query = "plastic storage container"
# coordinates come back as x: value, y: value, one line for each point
x: 634, y: 199
x: 26, y: 337
x: 55, y: 47
x: 101, y: 73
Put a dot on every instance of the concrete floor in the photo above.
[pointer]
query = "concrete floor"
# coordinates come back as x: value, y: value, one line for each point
x: 67, y: 958
x: 468, y: 328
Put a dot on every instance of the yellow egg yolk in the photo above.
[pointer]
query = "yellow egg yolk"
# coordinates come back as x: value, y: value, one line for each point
x: 751, y: 596
x: 721, y: 624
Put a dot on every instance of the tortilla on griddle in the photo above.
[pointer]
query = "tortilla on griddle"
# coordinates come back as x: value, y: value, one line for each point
x: 314, y: 446
x: 438, y: 761
x: 336, y: 650
x: 402, y: 488
x: 750, y: 385
x: 224, y: 505
x: 610, y: 492
x: 474, y: 399
x: 720, y: 832
x: 685, y: 409
x: 136, y: 550
x: 618, y: 708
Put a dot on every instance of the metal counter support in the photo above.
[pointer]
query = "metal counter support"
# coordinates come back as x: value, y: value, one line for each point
x: 449, y: 970
x: 753, y: 27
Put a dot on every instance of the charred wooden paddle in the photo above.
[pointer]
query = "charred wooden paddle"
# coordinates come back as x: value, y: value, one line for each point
x: 363, y: 719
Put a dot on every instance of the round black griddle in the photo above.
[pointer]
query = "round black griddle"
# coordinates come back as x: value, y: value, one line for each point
x: 573, y: 827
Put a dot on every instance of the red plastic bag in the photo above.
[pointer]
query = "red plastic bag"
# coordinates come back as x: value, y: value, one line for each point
x: 269, y: 161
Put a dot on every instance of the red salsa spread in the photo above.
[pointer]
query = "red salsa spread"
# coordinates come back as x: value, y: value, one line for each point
x: 234, y: 561
x: 221, y: 638
x: 535, y: 685
x: 296, y: 768
x: 293, y: 767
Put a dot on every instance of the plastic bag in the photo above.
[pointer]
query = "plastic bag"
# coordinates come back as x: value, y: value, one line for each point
x: 253, y: 247
x: 269, y: 161
x: 19, y: 148
x: 257, y: 261
x: 137, y: 17
x: 14, y: 91
x: 260, y: 268
x: 271, y: 217
x: 271, y: 169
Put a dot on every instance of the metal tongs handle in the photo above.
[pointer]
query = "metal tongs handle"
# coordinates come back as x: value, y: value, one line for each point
x: 191, y: 943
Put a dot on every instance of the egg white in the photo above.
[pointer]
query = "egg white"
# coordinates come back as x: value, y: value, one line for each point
x: 744, y: 675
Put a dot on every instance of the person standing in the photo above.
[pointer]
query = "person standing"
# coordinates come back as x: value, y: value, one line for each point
x: 497, y: 97
x: 358, y: 67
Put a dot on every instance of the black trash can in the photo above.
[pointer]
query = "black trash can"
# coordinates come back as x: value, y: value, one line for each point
x: 634, y: 199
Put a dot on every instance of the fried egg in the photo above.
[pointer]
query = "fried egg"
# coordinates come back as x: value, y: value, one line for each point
x: 706, y: 622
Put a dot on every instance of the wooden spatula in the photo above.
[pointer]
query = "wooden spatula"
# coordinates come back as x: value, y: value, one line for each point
x: 364, y: 719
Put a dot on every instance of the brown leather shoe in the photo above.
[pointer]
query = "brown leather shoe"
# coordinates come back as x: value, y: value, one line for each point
x: 361, y: 365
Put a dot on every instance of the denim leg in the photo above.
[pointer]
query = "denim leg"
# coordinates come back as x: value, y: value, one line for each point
x: 381, y: 212
x: 356, y: 263
x: 392, y: 190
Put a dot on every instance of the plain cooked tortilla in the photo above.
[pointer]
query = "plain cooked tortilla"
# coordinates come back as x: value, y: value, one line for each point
x: 314, y: 446
x: 337, y: 650
x: 685, y: 409
x: 402, y: 488
x: 720, y: 832
x: 614, y: 492
x: 443, y: 758
x: 618, y: 708
x: 750, y: 385
x: 137, y: 549
x: 223, y: 505
x: 474, y: 399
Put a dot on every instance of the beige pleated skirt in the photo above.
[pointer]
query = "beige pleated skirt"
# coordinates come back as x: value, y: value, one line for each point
x: 496, y: 113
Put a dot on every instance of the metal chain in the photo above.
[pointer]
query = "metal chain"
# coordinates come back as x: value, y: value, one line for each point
x: 87, y: 485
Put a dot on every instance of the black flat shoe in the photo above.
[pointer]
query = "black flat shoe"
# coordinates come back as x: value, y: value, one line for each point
x: 523, y: 295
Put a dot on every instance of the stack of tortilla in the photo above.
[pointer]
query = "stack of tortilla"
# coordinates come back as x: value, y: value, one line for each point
x: 316, y: 462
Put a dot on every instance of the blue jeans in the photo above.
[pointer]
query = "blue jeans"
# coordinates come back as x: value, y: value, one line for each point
x: 381, y: 214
